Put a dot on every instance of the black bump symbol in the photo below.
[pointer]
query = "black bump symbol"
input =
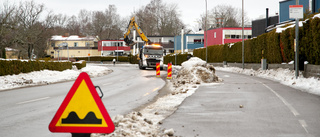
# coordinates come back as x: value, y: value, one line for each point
x: 73, y: 118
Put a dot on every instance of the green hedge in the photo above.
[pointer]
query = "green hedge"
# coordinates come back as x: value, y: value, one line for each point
x: 80, y: 65
x: 276, y: 47
x: 17, y: 66
x: 180, y: 58
x: 133, y: 59
x: 120, y: 58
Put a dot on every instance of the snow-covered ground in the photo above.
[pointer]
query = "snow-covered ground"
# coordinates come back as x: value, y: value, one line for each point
x: 284, y: 76
x: 186, y: 79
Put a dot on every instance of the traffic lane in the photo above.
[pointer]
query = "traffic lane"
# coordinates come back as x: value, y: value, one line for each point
x: 31, y: 117
x: 136, y: 89
x: 28, y: 111
x: 215, y: 111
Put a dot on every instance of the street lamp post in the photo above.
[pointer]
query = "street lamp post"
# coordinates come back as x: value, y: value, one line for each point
x: 67, y: 47
x: 242, y: 35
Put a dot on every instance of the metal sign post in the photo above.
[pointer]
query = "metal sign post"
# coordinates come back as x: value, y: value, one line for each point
x: 296, y: 12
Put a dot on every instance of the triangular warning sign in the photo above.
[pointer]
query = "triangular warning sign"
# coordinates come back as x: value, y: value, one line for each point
x: 82, y: 111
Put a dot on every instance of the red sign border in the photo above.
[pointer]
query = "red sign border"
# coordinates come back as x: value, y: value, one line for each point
x: 295, y: 6
x: 94, y: 93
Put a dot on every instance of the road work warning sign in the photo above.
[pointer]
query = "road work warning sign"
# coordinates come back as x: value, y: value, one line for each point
x: 82, y: 110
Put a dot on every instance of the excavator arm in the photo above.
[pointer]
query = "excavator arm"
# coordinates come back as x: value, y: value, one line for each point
x: 132, y: 24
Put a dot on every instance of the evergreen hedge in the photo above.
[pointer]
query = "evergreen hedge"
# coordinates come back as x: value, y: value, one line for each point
x: 180, y: 58
x: 275, y: 47
x: 17, y: 66
x: 99, y: 58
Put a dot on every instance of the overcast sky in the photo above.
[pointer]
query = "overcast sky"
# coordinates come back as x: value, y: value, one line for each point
x: 190, y: 10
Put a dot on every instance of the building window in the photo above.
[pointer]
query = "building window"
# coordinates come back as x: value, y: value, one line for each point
x: 197, y: 41
x: 78, y: 51
x: 215, y: 34
x: 76, y: 44
x: 52, y: 44
x: 112, y: 43
x: 87, y: 44
x: 227, y: 36
x: 233, y: 36
x: 52, y: 52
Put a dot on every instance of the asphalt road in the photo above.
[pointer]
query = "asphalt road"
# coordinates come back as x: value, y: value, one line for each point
x: 269, y: 110
x: 27, y: 112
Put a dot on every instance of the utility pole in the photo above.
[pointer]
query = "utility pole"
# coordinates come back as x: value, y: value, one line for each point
x: 205, y: 32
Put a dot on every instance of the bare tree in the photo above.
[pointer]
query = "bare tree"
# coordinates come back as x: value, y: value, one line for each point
x: 73, y: 25
x: 28, y: 15
x: 158, y: 18
x: 223, y: 16
x: 7, y: 25
x: 113, y: 23
x: 85, y: 17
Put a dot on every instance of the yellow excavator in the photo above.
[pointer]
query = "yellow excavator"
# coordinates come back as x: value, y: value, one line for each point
x: 150, y: 54
x: 127, y: 39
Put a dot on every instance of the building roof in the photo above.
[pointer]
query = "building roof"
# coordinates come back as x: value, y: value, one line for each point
x: 10, y: 49
x: 284, y: 0
x: 73, y: 38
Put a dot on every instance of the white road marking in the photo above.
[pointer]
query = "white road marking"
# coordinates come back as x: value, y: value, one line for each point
x: 304, y: 125
x: 24, y: 102
x: 292, y: 109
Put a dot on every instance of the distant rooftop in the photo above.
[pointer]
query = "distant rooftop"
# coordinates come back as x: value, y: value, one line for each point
x: 73, y: 38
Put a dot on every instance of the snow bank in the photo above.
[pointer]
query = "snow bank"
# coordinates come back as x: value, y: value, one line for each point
x: 284, y: 76
x: 48, y: 76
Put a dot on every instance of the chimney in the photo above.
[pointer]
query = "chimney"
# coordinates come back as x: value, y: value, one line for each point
x: 267, y: 19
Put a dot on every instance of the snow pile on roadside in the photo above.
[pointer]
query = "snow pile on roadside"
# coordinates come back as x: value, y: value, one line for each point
x: 193, y: 72
x: 284, y: 76
x: 134, y: 124
x: 48, y: 76
x: 96, y: 71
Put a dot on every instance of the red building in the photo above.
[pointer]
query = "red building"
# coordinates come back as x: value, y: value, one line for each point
x: 113, y: 47
x: 226, y: 35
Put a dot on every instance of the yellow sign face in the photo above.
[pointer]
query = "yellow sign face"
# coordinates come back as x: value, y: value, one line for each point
x: 82, y: 103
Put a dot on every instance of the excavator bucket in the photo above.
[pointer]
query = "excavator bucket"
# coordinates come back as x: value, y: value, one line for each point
x: 129, y: 42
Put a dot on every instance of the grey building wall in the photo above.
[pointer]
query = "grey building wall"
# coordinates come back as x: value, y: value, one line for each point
x: 259, y: 26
